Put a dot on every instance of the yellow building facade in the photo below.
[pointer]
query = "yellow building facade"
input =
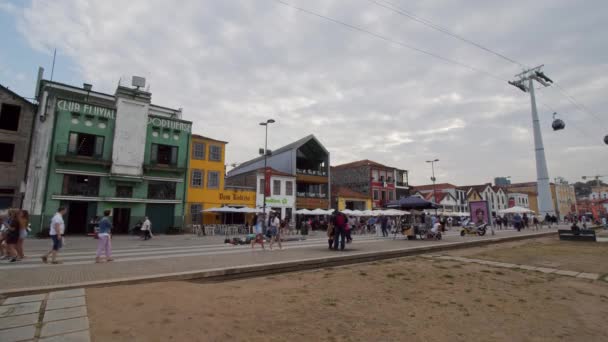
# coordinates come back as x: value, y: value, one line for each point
x: 206, y: 183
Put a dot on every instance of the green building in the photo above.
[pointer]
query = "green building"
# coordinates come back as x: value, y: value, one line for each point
x: 94, y: 151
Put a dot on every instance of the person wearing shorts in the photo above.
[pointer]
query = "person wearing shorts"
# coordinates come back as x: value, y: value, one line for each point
x: 274, y: 231
x: 57, y: 230
x: 258, y: 231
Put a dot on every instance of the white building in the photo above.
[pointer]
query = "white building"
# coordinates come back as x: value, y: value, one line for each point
x: 282, y: 197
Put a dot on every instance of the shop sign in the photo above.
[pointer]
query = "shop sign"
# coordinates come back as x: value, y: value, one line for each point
x: 280, y: 201
x: 172, y: 124
x: 234, y: 197
x: 85, y: 108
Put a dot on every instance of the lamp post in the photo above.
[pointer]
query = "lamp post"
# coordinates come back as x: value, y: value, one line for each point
x: 434, y: 179
x: 265, y: 124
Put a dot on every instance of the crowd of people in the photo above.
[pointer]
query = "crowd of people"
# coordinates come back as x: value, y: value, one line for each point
x: 14, y: 229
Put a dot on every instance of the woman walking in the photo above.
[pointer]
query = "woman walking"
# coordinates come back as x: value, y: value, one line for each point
x: 104, y: 244
x: 23, y: 216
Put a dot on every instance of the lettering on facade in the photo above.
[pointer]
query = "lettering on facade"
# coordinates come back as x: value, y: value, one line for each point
x: 164, y: 123
x: 234, y: 197
x: 87, y: 109
x: 276, y: 201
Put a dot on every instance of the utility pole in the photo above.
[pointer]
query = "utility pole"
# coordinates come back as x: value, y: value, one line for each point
x: 434, y: 179
x: 266, y: 178
x: 545, y: 203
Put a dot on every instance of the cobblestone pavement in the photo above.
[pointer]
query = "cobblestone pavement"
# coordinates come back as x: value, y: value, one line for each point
x: 59, y: 316
x: 171, y: 254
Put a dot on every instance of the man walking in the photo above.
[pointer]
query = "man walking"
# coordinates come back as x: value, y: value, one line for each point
x: 57, y: 230
x: 146, y: 228
x: 274, y: 230
x: 104, y: 245
x: 384, y: 225
x: 340, y: 222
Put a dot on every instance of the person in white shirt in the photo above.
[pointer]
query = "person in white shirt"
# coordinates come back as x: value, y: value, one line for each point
x: 146, y: 228
x: 274, y: 230
x: 57, y: 230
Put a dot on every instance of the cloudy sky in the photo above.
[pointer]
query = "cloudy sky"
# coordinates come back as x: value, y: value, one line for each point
x: 231, y: 64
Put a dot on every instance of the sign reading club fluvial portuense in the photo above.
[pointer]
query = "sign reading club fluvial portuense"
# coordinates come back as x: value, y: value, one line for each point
x: 172, y: 124
x: 84, y: 108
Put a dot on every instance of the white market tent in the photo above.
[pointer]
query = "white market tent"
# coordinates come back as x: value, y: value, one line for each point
x: 516, y: 210
x: 245, y: 210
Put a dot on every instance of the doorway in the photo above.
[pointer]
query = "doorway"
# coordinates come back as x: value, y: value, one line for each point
x: 77, y: 218
x: 120, y: 220
x: 161, y: 217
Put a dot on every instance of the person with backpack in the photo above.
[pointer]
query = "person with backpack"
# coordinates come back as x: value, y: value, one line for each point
x: 340, y: 221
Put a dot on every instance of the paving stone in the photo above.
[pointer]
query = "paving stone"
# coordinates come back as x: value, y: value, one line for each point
x: 24, y: 299
x: 18, y: 334
x: 66, y: 294
x: 506, y: 265
x: 545, y: 269
x: 567, y: 273
x: 64, y: 327
x: 55, y: 315
x: 19, y: 309
x: 592, y: 276
x: 63, y: 303
x: 80, y: 336
x: 18, y: 321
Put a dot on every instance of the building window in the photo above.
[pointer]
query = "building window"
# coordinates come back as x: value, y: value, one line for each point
x: 375, y: 175
x: 196, y: 213
x: 213, y: 179
x: 7, y: 152
x: 86, y: 145
x: 262, y: 185
x: 77, y: 185
x: 215, y: 153
x: 289, y: 188
x: 196, y: 180
x: 276, y: 187
x: 124, y: 191
x: 376, y: 195
x: 163, y: 154
x: 9, y: 117
x: 198, y: 151
x: 161, y: 190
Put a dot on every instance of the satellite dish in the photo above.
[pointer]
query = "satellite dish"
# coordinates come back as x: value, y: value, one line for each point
x: 558, y: 124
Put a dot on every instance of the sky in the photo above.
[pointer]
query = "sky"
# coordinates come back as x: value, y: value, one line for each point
x: 232, y: 64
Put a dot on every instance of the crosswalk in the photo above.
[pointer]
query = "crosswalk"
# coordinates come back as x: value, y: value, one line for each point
x: 151, y: 253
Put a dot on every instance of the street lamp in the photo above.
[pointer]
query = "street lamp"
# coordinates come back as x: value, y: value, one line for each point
x: 265, y: 124
x: 434, y: 179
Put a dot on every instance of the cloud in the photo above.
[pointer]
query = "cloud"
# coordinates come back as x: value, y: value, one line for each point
x: 232, y: 64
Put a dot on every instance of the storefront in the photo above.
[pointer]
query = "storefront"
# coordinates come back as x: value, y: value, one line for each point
x: 107, y: 152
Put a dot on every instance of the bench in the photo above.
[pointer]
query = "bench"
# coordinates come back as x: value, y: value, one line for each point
x: 581, y: 235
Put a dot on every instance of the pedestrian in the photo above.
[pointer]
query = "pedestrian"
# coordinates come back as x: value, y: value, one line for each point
x: 12, y: 236
x: 104, y: 244
x: 605, y: 222
x: 517, y: 222
x: 499, y: 222
x: 525, y: 220
x: 349, y: 226
x: 57, y: 230
x: 548, y: 219
x: 535, y: 222
x: 384, y: 225
x: 371, y: 225
x: 330, y: 234
x: 24, y: 217
x: 340, y: 222
x: 146, y: 228
x: 259, y: 233
x: 274, y: 229
x: 3, y: 233
x: 450, y: 222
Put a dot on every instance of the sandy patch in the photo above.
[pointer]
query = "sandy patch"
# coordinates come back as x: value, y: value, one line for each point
x: 413, y: 299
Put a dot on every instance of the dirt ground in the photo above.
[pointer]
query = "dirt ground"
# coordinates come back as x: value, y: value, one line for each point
x: 546, y: 252
x: 414, y: 299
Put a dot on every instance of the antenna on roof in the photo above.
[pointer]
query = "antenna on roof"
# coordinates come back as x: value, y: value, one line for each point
x: 53, y: 67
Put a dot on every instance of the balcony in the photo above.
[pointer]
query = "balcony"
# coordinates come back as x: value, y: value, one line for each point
x: 66, y: 156
x: 165, y: 167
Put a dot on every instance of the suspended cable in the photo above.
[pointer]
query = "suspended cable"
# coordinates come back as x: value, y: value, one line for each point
x: 390, y: 40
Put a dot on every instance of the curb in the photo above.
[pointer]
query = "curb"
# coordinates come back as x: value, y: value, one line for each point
x: 249, y: 271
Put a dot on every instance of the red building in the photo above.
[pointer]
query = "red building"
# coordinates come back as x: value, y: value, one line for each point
x: 370, y: 178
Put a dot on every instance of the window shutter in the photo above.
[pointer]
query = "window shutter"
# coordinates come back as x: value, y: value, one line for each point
x: 154, y: 153
x: 173, y: 155
x: 98, y: 146
x: 73, y: 142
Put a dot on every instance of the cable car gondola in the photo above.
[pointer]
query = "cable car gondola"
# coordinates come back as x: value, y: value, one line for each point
x: 558, y: 124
